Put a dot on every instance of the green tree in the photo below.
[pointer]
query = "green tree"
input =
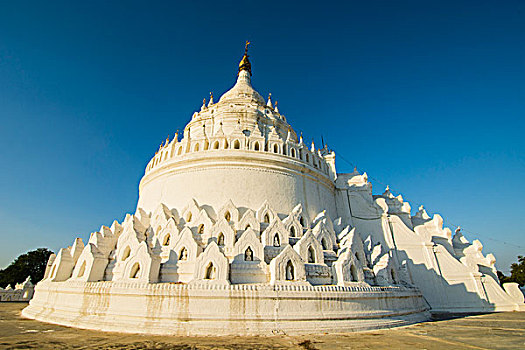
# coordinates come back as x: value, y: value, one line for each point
x: 517, y: 271
x: 502, y: 278
x: 32, y: 264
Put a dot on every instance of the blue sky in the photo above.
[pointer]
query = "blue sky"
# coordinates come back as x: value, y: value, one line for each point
x: 428, y: 97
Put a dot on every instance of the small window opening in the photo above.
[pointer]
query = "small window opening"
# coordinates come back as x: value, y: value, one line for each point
x: 353, y: 273
x: 183, y: 255
x: 210, y: 272
x: 82, y: 269
x: 289, y: 271
x: 135, y: 271
x: 276, y: 240
x: 127, y: 252
x: 311, y: 255
x: 248, y: 254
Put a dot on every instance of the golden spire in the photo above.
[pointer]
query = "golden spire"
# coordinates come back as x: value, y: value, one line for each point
x: 245, y: 62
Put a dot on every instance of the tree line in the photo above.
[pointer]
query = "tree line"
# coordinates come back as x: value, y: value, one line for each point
x: 32, y: 264
x: 517, y: 273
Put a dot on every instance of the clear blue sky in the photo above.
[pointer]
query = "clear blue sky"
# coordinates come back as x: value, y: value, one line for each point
x: 427, y: 96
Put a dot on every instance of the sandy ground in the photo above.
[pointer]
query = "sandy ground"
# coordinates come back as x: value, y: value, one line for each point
x: 490, y: 331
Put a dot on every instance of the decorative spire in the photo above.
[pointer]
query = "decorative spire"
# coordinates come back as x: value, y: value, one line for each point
x: 245, y: 62
x: 203, y: 107
x: 269, y: 103
x: 211, y: 99
x: 387, y: 192
x: 276, y: 108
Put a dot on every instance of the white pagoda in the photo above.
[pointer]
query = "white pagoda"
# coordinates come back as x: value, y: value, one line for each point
x: 242, y: 228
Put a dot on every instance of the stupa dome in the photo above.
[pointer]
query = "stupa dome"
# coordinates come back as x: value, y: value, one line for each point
x: 240, y: 148
x: 242, y: 91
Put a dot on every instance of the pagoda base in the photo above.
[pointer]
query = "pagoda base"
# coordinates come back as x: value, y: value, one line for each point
x: 222, y: 309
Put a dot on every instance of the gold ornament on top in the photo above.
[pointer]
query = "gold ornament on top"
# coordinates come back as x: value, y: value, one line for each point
x: 245, y: 62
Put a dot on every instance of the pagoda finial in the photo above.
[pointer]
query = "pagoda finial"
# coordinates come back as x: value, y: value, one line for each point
x: 269, y: 103
x: 245, y: 62
x: 276, y: 108
x: 211, y: 99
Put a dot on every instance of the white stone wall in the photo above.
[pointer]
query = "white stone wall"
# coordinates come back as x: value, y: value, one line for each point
x: 247, y: 178
x: 226, y: 310
x: 22, y: 291
x: 452, y: 273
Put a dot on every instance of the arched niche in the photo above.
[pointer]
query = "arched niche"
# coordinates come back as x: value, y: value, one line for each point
x: 280, y: 267
x: 249, y: 220
x: 212, y: 256
x: 275, y: 229
x: 309, y: 243
x: 249, y: 239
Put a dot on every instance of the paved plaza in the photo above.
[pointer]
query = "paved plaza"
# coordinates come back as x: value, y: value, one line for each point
x: 489, y: 331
